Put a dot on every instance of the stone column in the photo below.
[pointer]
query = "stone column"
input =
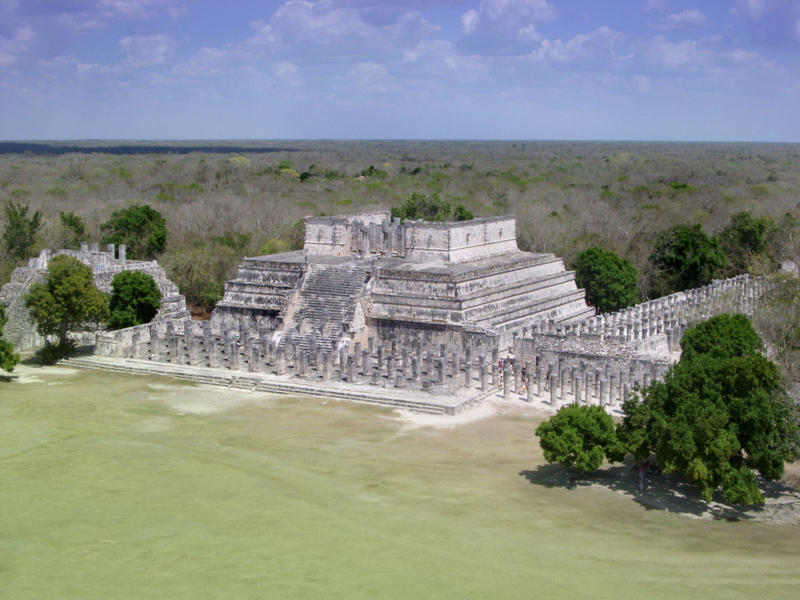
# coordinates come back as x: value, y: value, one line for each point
x: 255, y: 358
x: 612, y: 389
x: 415, y: 368
x: 529, y: 388
x: 189, y: 340
x: 517, y: 376
x: 135, y: 349
x: 482, y: 371
x: 440, y: 370
x: 494, y: 367
x: 233, y: 355
x: 468, y: 373
x: 280, y: 361
x: 553, y: 383
x: 365, y: 362
x: 326, y: 365
x: 506, y: 377
x: 540, y: 375
x: 351, y: 372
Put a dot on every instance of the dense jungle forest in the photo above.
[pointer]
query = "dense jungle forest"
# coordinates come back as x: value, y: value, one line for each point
x: 224, y: 200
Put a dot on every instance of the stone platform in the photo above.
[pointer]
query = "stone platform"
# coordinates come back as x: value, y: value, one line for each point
x: 287, y: 384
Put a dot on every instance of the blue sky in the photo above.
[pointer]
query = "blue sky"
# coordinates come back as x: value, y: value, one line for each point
x: 478, y: 69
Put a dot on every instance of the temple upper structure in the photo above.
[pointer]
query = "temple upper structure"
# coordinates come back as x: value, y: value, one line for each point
x: 367, y: 275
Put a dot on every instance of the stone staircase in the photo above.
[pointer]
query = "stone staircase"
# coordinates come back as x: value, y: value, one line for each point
x: 387, y: 397
x: 323, y: 307
x: 19, y: 330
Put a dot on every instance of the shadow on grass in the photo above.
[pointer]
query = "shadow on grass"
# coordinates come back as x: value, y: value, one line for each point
x: 662, y: 492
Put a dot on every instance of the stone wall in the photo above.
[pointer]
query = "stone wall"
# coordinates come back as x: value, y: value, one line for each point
x: 375, y: 233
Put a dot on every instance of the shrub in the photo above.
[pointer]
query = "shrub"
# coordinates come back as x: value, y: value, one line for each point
x: 684, y: 257
x: 135, y: 299
x: 610, y: 281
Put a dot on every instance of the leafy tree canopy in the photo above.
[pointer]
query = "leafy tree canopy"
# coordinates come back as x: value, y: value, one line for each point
x: 745, y: 239
x: 67, y: 300
x: 610, y: 281
x: 142, y: 229
x: 20, y: 232
x: 7, y: 356
x: 580, y: 436
x: 684, y: 257
x: 723, y: 336
x: 135, y: 299
x: 72, y: 230
x: 720, y: 415
x: 420, y: 206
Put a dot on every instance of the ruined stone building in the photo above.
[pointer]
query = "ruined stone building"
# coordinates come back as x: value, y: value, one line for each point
x: 20, y: 329
x: 427, y: 316
x: 364, y: 275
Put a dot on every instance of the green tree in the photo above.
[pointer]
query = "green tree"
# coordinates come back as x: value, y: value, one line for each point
x: 609, y: 280
x: 684, y: 257
x: 580, y: 436
x: 20, y: 232
x: 72, y: 230
x: 67, y: 300
x: 746, y: 239
x: 777, y: 320
x: 720, y: 415
x: 135, y: 299
x: 420, y: 206
x: 142, y: 229
x: 7, y: 356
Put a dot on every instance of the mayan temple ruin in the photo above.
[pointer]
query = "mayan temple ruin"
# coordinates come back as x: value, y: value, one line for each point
x: 427, y: 316
x: 20, y: 329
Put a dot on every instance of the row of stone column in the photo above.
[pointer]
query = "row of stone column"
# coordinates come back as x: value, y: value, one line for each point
x: 561, y: 382
x: 740, y: 293
x: 391, y: 364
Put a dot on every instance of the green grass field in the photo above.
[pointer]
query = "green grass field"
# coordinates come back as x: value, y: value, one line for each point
x: 117, y: 486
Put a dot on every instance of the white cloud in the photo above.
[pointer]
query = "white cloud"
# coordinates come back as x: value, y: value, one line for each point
x: 317, y: 22
x: 529, y: 34
x: 370, y: 76
x: 147, y: 50
x: 287, y: 72
x: 207, y: 62
x: 12, y: 47
x: 133, y: 9
x: 539, y: 10
x: 674, y: 54
x: 685, y: 19
x: 595, y: 44
x: 654, y: 5
x: 469, y: 21
x: 441, y: 57
x: 753, y: 9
